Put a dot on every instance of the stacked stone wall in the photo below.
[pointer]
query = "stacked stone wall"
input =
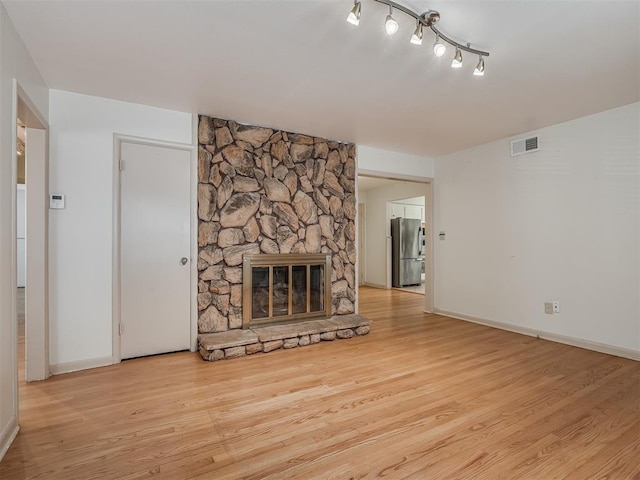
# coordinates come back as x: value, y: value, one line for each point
x: 268, y: 191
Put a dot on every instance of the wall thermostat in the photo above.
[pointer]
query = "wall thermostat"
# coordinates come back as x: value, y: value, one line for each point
x: 56, y: 201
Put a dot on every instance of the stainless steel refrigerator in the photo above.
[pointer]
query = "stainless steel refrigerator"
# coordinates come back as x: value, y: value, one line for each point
x: 406, y: 252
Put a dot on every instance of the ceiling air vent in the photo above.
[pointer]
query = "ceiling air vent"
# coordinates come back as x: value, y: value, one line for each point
x: 524, y: 145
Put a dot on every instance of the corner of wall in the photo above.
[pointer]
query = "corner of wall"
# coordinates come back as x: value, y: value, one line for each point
x: 8, y: 435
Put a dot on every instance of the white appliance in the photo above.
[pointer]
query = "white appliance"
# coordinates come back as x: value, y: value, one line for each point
x: 22, y: 238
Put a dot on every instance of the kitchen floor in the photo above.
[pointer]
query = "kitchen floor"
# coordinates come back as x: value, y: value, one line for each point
x: 20, y: 311
x: 414, y: 288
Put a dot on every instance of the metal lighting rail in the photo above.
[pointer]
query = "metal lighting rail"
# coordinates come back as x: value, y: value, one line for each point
x: 428, y: 19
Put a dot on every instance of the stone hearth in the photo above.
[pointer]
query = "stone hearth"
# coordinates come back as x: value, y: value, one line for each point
x: 239, y: 343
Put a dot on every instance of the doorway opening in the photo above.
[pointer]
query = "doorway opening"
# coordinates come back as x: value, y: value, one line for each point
x: 385, y: 198
x: 21, y: 216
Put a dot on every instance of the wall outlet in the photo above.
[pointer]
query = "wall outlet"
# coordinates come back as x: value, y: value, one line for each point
x: 556, y: 307
x: 548, y: 308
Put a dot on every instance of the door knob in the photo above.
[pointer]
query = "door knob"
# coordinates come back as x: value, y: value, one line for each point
x: 184, y: 260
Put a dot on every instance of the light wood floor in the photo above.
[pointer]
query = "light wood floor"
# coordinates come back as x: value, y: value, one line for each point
x: 422, y: 396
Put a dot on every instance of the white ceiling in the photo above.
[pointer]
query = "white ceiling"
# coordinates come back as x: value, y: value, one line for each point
x: 299, y: 66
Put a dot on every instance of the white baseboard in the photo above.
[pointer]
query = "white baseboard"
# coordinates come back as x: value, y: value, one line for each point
x: 68, y: 367
x: 8, y: 435
x: 374, y: 285
x: 554, y: 337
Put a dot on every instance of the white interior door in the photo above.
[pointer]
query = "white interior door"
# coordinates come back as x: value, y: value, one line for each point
x: 154, y: 250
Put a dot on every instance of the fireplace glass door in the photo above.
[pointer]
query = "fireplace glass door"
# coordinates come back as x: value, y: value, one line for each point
x: 280, y: 291
x: 290, y: 287
x: 299, y: 277
x: 260, y: 281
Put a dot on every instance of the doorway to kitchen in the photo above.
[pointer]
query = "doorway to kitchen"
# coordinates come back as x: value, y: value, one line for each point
x: 382, y: 198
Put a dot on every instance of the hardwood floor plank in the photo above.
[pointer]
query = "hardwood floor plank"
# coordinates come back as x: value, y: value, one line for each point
x: 422, y: 396
x: 612, y: 461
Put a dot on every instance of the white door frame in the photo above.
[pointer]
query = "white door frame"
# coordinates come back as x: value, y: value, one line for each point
x: 36, y: 350
x: 362, y: 243
x: 37, y: 243
x: 429, y: 300
x: 118, y: 140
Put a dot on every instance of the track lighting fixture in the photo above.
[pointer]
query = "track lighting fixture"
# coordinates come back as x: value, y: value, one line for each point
x: 457, y: 59
x: 390, y: 24
x: 479, y: 71
x: 427, y: 19
x: 439, y: 48
x: 416, y: 38
x: 354, y: 15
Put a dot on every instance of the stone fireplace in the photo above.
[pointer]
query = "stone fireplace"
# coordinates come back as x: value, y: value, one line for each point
x: 269, y: 198
x: 285, y: 288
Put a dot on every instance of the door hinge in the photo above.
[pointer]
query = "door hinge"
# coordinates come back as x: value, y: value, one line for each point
x: 121, y: 165
x: 121, y: 328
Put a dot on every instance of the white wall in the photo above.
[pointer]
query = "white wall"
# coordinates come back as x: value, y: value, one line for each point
x: 558, y: 224
x: 378, y: 228
x: 15, y: 63
x: 399, y: 165
x: 81, y: 164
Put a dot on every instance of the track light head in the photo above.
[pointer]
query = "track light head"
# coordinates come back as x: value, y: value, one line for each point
x: 479, y: 71
x: 416, y: 38
x: 390, y: 24
x: 354, y: 16
x: 457, y: 59
x: 439, y: 48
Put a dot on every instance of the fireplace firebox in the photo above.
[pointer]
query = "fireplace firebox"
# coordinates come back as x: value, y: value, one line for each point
x: 285, y: 288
